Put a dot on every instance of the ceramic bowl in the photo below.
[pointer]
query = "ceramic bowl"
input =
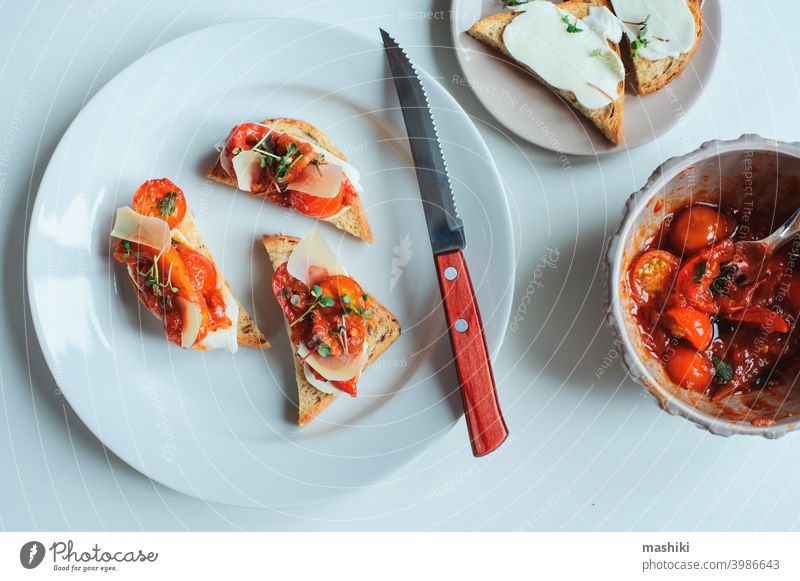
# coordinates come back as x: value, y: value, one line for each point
x: 752, y: 174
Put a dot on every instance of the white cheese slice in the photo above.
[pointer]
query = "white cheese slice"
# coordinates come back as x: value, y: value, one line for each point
x: 312, y: 251
x: 148, y: 230
x: 223, y: 159
x: 321, y: 384
x: 247, y: 165
x: 604, y: 23
x: 323, y: 181
x: 670, y: 28
x: 334, y: 368
x: 191, y: 319
x: 225, y: 338
x: 580, y: 62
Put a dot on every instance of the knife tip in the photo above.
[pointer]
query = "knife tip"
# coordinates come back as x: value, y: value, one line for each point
x: 387, y: 38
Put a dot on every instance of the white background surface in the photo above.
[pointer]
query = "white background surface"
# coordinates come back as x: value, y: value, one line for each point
x: 585, y: 452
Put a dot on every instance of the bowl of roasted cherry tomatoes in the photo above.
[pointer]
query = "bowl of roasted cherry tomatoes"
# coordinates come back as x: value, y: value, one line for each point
x: 712, y: 339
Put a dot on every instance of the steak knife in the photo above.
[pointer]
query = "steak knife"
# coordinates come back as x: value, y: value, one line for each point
x: 487, y: 428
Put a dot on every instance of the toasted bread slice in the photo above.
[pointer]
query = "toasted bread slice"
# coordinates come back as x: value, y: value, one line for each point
x: 248, y: 334
x: 354, y: 221
x: 650, y: 76
x: 380, y: 335
x: 489, y: 30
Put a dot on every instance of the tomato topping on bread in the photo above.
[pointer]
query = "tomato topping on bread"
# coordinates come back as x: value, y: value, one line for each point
x: 293, y: 164
x: 175, y: 276
x: 336, y: 327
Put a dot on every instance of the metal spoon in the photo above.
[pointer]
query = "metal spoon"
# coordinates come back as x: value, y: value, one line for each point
x: 749, y: 257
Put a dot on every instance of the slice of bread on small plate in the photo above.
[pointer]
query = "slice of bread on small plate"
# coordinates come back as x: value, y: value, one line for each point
x: 648, y: 76
x: 384, y: 330
x: 354, y: 221
x: 609, y: 119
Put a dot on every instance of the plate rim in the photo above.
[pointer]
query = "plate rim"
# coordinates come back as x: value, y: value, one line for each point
x: 131, y: 459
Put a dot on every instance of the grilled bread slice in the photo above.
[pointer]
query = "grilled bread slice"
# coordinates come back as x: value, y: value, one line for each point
x: 354, y: 221
x: 380, y: 335
x: 489, y: 30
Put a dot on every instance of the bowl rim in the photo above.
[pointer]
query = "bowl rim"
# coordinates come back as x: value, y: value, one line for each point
x: 638, y: 200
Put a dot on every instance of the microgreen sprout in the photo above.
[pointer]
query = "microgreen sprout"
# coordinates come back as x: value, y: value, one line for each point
x: 571, y: 27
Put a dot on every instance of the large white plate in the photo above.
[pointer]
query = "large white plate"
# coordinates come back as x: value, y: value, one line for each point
x: 531, y: 110
x: 218, y: 426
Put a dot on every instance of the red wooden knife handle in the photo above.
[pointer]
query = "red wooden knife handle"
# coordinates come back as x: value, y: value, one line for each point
x: 487, y: 429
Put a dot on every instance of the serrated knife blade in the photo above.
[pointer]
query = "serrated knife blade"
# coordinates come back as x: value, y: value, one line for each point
x: 487, y: 429
x: 441, y: 213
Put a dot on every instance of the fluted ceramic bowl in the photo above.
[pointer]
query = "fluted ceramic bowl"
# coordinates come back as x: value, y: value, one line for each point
x: 750, y: 173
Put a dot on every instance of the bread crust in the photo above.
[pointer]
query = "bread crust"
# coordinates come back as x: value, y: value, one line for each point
x: 380, y: 335
x: 609, y: 119
x: 354, y: 221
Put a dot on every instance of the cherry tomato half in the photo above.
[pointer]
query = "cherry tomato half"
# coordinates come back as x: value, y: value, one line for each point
x: 652, y: 275
x: 161, y: 199
x: 689, y: 324
x: 697, y: 227
x: 690, y: 369
x: 698, y: 273
x: 316, y: 206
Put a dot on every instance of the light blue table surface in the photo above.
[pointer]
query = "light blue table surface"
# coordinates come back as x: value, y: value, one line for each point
x: 584, y: 454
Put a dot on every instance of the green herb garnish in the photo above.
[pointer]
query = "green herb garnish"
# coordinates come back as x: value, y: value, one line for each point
x: 321, y: 300
x: 324, y: 350
x: 507, y: 3
x: 166, y: 205
x: 570, y: 27
x: 127, y: 246
x: 723, y: 372
x: 320, y: 159
x: 700, y: 272
x: 153, y: 281
x: 641, y: 41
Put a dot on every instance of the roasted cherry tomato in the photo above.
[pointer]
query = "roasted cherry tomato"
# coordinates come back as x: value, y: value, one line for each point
x: 690, y: 324
x: 698, y: 273
x: 314, y: 205
x: 652, y: 275
x: 161, y: 199
x: 697, y: 227
x: 202, y: 273
x: 244, y: 137
x: 763, y: 317
x: 690, y: 369
x: 199, y: 268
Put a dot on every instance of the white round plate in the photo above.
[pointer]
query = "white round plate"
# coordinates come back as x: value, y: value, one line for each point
x: 218, y: 426
x: 528, y: 108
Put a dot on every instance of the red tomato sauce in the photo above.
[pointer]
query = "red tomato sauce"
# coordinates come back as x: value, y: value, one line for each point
x: 714, y: 332
x: 330, y: 318
x: 181, y: 271
x: 277, y: 174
